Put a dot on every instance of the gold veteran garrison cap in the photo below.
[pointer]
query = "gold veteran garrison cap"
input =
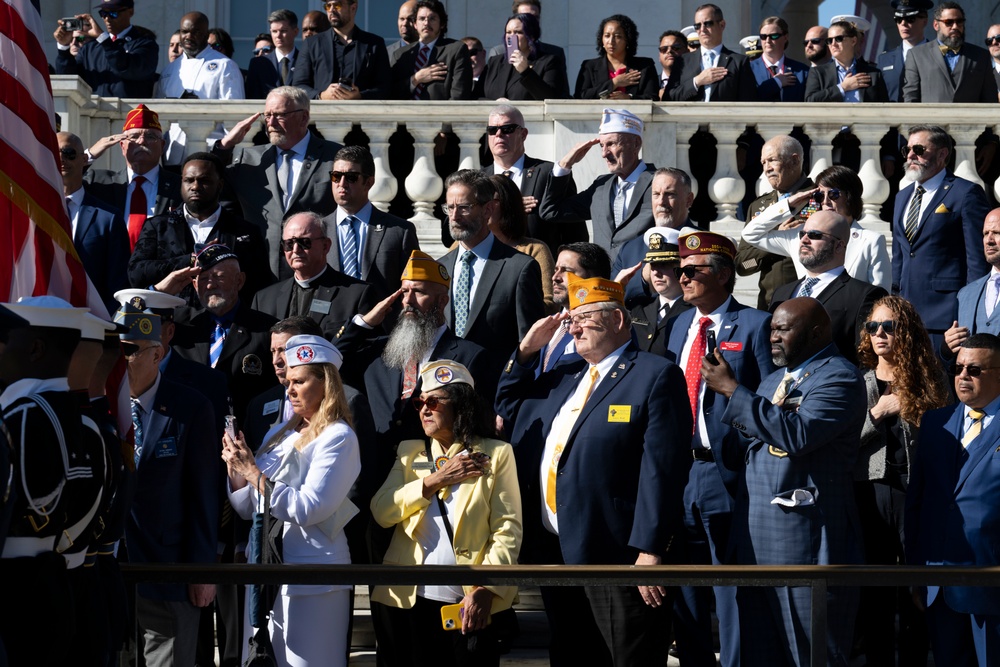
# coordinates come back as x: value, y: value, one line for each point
x: 422, y: 266
x: 592, y: 290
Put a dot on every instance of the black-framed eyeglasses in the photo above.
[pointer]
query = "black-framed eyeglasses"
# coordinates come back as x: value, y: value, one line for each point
x: 432, y: 402
x: 774, y: 36
x: 992, y: 40
x: 104, y: 14
x: 916, y: 149
x: 839, y: 39
x: 815, y: 41
x: 303, y: 242
x: 68, y: 153
x: 909, y: 19
x: 460, y: 209
x: 348, y: 176
x: 509, y: 128
x: 262, y: 50
x: 888, y: 326
x: 815, y: 235
x: 707, y: 24
x: 280, y: 117
x: 833, y: 194
x: 690, y: 271
x: 971, y: 369
x: 949, y: 23
x: 676, y: 48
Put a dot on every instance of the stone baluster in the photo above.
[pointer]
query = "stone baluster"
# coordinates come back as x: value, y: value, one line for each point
x: 768, y: 131
x: 726, y: 187
x: 333, y: 129
x: 386, y: 186
x: 684, y: 133
x: 468, y: 143
x: 423, y: 186
x: 876, y: 187
x: 196, y: 133
x: 965, y: 150
x: 822, y: 135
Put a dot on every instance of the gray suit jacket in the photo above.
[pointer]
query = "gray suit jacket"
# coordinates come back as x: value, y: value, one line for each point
x: 388, y: 247
x: 927, y: 78
x: 252, y: 177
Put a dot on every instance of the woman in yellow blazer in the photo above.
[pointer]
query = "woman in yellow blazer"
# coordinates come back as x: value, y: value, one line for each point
x: 453, y: 501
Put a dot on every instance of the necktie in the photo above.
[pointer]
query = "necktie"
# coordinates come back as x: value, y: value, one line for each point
x: 284, y: 71
x: 285, y: 174
x: 709, y: 63
x: 565, y: 426
x: 218, y: 340
x: 508, y: 173
x: 991, y: 301
x: 774, y: 70
x: 463, y: 287
x: 114, y: 38
x: 69, y: 212
x: 137, y: 426
x: 419, y: 64
x: 138, y: 209
x: 349, y: 257
x: 620, y: 202
x: 661, y: 313
x: 807, y: 286
x: 409, y: 378
x: 692, y: 370
x: 782, y: 391
x: 554, y: 344
x: 974, y: 430
x: 913, y: 213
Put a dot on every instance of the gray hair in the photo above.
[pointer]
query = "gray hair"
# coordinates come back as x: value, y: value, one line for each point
x: 508, y: 110
x: 295, y: 95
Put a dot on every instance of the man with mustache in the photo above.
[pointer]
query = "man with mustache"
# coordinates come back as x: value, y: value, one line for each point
x: 815, y: 47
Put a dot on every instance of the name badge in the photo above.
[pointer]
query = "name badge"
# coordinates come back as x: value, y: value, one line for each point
x: 619, y: 413
x: 319, y: 306
x: 271, y: 407
x: 731, y: 346
x: 166, y: 447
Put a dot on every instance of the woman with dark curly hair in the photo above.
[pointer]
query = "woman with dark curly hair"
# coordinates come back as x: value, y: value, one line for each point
x: 454, y: 500
x: 904, y: 380
x: 521, y: 73
x: 617, y: 73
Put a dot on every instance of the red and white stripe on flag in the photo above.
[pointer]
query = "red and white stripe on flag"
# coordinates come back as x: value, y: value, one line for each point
x: 36, y: 249
x: 875, y: 39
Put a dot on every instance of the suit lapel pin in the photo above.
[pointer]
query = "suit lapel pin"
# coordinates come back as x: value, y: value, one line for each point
x: 378, y: 228
x: 621, y: 367
x: 529, y: 173
x: 946, y: 187
x: 614, y: 374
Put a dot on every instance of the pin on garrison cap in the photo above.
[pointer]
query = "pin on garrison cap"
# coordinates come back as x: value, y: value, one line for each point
x: 862, y: 24
x: 661, y: 244
x: 213, y: 254
x: 307, y: 349
x: 751, y: 46
x: 907, y: 8
x: 440, y: 373
x: 592, y: 290
x: 422, y: 266
x: 48, y: 311
x: 139, y: 325
x: 161, y: 303
x: 142, y: 118
x: 621, y: 121
x: 706, y: 243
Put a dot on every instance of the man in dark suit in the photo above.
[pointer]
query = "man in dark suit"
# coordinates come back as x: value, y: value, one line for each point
x: 949, y: 69
x: 168, y: 242
x: 993, y: 44
x: 316, y: 289
x: 99, y: 232
x: 650, y: 319
x: 802, y: 430
x: 142, y: 145
x: 344, y: 63
x: 175, y: 511
x: 557, y: 53
x: 779, y: 78
x: 911, y: 21
x: 673, y: 45
x: 276, y: 67
x: 707, y: 276
x: 496, y: 294
x: 505, y: 135
x: 608, y: 422
x: 847, y: 77
x: 619, y: 204
x: 975, y: 308
x: 951, y: 513
x: 434, y: 67
x: 937, y: 228
x: 289, y: 175
x: 370, y: 245
x: 848, y: 301
x: 118, y: 62
x: 713, y: 73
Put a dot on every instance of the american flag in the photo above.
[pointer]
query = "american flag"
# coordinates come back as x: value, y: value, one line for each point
x: 37, y: 256
x: 875, y: 39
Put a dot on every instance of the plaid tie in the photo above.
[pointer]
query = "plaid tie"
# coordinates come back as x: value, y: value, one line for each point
x: 422, y: 54
x: 913, y: 213
x: 137, y: 426
x: 463, y: 287
x: 218, y: 340
x: 807, y: 286
x: 349, y: 260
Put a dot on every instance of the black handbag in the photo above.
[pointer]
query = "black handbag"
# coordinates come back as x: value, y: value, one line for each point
x: 261, y: 652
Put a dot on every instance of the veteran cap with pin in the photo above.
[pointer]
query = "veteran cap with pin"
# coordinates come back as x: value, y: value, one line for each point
x: 139, y: 324
x: 706, y: 243
x: 443, y: 372
x: 422, y: 266
x: 592, y: 290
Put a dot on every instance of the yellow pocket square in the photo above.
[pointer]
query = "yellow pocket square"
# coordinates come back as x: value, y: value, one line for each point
x: 942, y: 209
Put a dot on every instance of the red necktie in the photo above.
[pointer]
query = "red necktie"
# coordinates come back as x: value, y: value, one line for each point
x: 692, y: 370
x: 137, y: 211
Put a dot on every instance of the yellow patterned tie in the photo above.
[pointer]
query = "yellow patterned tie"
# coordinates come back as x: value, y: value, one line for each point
x: 782, y: 391
x: 976, y: 428
x: 565, y: 426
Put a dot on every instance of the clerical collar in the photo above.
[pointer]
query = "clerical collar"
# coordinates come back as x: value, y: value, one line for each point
x: 306, y: 284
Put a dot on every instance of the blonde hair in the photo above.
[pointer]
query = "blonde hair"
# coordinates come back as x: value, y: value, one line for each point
x: 331, y: 409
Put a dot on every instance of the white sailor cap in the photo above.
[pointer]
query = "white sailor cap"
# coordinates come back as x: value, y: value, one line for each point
x: 48, y: 311
x: 161, y: 303
x: 861, y: 24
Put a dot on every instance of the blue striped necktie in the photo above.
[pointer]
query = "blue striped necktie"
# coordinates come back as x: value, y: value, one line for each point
x: 218, y: 340
x: 349, y: 260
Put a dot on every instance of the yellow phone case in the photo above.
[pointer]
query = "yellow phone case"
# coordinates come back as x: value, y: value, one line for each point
x: 451, y: 617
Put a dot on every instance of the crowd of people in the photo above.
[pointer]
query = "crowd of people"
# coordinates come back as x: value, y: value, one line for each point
x: 305, y: 385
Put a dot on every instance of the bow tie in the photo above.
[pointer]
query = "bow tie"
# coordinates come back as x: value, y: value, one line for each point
x: 945, y: 51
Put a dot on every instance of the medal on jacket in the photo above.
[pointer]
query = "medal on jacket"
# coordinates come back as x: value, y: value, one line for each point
x: 441, y: 462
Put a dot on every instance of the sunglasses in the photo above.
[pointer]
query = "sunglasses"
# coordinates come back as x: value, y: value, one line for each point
x: 304, y: 242
x: 950, y: 23
x: 432, y: 403
x: 108, y: 15
x: 68, y: 153
x: 916, y: 149
x: 691, y: 270
x: 704, y: 24
x: 815, y: 235
x: 348, y: 176
x: 973, y: 371
x: 888, y: 326
x: 815, y: 41
x: 833, y: 194
x: 993, y: 39
x: 839, y: 39
x: 774, y: 37
x: 909, y: 19
x: 262, y: 50
x: 676, y: 48
x: 509, y: 128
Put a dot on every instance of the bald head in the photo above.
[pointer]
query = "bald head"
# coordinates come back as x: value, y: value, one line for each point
x: 991, y: 237
x: 823, y: 242
x: 194, y: 33
x: 799, y: 329
x: 406, y: 21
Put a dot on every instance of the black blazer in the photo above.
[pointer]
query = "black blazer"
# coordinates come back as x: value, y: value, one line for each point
x: 457, y: 85
x: 317, y: 67
x: 536, y: 181
x: 263, y: 74
x: 540, y: 81
x: 649, y: 334
x: 821, y: 84
x: 738, y: 86
x: 112, y: 187
x: 848, y: 300
x: 593, y: 79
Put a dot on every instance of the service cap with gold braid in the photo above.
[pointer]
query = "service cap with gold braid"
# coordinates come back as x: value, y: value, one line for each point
x: 142, y: 118
x: 706, y: 243
x: 422, y: 266
x: 592, y: 290
x: 661, y: 244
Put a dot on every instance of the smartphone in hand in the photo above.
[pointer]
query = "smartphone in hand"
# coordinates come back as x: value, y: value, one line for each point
x: 710, y: 348
x: 510, y: 45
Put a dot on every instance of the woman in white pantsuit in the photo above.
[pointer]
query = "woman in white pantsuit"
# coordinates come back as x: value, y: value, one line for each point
x: 310, y: 462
